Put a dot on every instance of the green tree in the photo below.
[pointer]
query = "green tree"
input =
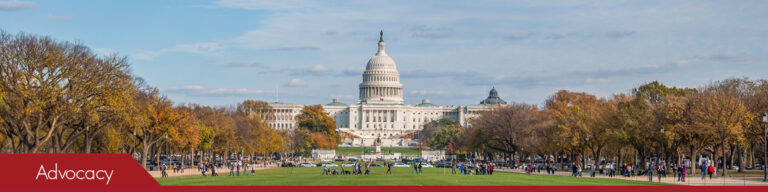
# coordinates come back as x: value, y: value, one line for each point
x: 438, y: 133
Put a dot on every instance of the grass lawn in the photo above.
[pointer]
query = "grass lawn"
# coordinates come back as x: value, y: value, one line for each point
x: 401, y: 176
x: 360, y: 150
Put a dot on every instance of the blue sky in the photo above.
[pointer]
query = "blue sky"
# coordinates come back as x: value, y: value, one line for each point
x: 451, y: 52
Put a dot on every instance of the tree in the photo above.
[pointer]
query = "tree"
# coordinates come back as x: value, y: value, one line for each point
x: 301, y: 141
x: 438, y: 133
x: 265, y: 138
x: 722, y: 117
x: 314, y: 119
x: 205, y: 141
x: 187, y: 136
x: 259, y: 109
x: 571, y: 117
x: 504, y: 128
x: 645, y: 122
x: 153, y: 119
x: 36, y: 73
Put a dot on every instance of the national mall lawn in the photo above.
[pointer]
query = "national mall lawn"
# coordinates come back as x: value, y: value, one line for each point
x: 400, y: 176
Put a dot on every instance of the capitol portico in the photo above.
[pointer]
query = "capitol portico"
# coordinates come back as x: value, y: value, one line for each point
x: 381, y: 113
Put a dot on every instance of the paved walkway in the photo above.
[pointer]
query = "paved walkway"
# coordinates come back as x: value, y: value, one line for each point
x: 669, y: 179
x: 194, y: 171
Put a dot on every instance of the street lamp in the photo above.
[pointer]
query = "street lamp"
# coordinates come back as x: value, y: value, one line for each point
x: 765, y: 146
x: 585, y: 159
x: 663, y: 145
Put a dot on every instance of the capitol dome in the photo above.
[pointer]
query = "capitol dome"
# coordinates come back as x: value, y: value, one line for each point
x: 381, y: 81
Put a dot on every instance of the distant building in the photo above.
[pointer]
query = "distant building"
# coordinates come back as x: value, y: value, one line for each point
x: 433, y: 155
x: 325, y: 155
x: 380, y: 113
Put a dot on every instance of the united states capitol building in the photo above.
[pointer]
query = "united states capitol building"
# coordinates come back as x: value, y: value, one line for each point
x: 381, y: 115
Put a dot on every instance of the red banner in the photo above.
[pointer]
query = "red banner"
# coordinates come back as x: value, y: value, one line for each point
x: 40, y: 172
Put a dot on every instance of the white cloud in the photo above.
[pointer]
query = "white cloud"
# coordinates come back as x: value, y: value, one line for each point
x: 319, y: 68
x: 298, y: 48
x: 58, y: 18
x: 266, y: 5
x: 597, y: 80
x: 16, y: 5
x: 205, y: 48
x: 103, y: 51
x: 201, y: 91
x: 426, y: 92
x: 683, y: 63
x: 353, y: 71
x: 296, y: 82
x: 732, y: 56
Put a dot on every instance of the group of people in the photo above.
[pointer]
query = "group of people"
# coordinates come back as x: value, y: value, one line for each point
x: 205, y: 167
x: 626, y: 170
x: 234, y: 168
x: 357, y: 169
x: 707, y: 168
x: 417, y: 168
x: 468, y: 169
x: 365, y: 169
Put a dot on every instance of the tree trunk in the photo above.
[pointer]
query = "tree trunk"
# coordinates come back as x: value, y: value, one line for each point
x: 88, y: 137
x: 752, y: 155
x: 642, y: 159
x: 693, y: 161
x: 722, y: 148
x: 192, y: 152
x: 144, y: 154
x: 157, y: 155
x: 743, y: 160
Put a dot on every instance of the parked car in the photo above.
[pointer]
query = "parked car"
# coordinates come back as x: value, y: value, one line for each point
x: 327, y: 164
x: 348, y: 164
x: 376, y: 165
x: 288, y: 165
x: 339, y: 159
x: 443, y: 165
x: 306, y: 164
x: 400, y: 164
x: 427, y: 165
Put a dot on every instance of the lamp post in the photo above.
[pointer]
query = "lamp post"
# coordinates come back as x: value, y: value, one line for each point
x: 663, y: 146
x: 585, y: 159
x: 765, y: 145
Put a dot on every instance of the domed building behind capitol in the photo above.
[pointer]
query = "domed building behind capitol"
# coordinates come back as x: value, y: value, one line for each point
x: 381, y: 113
